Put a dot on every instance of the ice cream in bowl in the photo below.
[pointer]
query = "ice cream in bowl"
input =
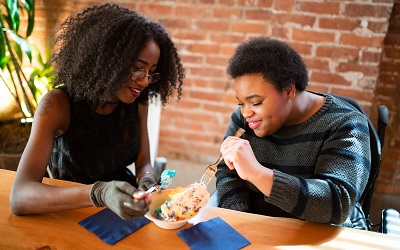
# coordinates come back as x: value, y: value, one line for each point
x: 172, y: 208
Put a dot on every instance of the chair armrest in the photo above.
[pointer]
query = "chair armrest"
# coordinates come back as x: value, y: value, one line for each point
x: 390, y: 222
x: 213, y: 202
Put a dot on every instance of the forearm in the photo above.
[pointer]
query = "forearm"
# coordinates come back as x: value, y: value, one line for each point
x: 37, y: 198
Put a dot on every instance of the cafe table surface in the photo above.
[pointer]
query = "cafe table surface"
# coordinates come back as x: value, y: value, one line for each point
x: 60, y: 230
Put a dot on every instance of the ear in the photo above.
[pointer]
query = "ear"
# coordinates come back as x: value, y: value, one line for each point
x: 291, y: 91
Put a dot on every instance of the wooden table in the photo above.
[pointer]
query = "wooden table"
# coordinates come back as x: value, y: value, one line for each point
x: 61, y: 230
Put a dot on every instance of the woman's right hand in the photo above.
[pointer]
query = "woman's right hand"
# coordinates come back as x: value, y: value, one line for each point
x: 121, y: 197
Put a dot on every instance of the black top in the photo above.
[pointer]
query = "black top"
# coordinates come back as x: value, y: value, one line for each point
x: 96, y: 147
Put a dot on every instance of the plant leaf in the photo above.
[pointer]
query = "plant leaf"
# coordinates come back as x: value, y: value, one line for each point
x: 13, y: 12
x: 3, y: 57
x: 23, y: 44
x: 29, y: 6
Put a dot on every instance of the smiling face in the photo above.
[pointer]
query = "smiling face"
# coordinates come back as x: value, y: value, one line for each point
x: 147, y: 60
x: 265, y: 109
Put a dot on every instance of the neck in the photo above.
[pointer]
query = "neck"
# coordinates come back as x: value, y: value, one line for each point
x: 114, y: 102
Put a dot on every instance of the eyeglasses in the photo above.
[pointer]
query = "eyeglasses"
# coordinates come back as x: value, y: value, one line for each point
x: 139, y: 74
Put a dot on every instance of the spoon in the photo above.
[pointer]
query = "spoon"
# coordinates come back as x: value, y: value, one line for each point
x: 166, y: 180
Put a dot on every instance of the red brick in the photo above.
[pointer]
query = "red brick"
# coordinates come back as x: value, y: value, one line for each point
x: 339, y: 23
x: 303, y: 20
x: 329, y: 78
x: 227, y: 38
x: 287, y: 5
x: 227, y: 2
x: 247, y: 27
x: 207, y: 72
x: 258, y: 15
x: 220, y: 109
x: 369, y: 56
x: 228, y: 49
x: 355, y: 67
x: 331, y: 8
x: 205, y: 95
x: 189, y: 35
x: 156, y: 9
x: 280, y: 32
x: 378, y: 27
x: 217, y: 61
x: 191, y: 59
x: 174, y: 23
x: 316, y: 63
x: 191, y: 11
x: 212, y: 25
x: 337, y: 52
x: 390, y: 66
x: 230, y: 13
x: 367, y: 10
x: 204, y: 48
x: 356, y: 40
x: 215, y: 84
x: 301, y: 48
x: 317, y: 88
x: 268, y: 3
x: 392, y: 53
x: 312, y: 36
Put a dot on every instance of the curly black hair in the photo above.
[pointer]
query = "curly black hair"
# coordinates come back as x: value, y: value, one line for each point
x: 95, y: 49
x: 278, y: 63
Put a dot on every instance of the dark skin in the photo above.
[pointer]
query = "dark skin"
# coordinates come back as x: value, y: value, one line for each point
x: 266, y: 110
x: 29, y: 195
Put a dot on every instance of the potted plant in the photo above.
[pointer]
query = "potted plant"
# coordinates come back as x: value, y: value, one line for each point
x: 24, y: 74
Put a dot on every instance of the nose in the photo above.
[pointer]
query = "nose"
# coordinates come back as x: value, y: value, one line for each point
x: 144, y: 82
x: 246, y: 111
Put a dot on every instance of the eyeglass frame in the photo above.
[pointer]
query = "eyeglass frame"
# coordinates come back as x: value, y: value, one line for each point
x: 149, y: 76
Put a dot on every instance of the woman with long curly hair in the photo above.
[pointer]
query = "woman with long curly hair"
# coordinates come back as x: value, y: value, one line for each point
x: 109, y: 62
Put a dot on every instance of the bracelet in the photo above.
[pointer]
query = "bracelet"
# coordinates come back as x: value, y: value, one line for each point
x: 137, y: 178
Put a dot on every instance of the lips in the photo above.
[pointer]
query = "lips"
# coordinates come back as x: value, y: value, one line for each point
x: 254, y: 124
x: 135, y: 92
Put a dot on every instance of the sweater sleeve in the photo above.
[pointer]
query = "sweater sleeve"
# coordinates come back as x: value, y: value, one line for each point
x: 232, y: 190
x: 341, y: 174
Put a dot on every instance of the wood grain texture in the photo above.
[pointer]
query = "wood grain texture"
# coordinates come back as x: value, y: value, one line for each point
x: 61, y: 230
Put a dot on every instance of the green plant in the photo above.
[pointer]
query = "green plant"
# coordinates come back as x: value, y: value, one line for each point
x: 13, y: 48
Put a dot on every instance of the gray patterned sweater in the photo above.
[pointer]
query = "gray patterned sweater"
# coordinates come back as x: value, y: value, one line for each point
x: 321, y: 167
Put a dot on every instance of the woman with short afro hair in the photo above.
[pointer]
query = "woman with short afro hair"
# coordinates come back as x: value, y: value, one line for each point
x: 304, y: 154
x: 109, y: 63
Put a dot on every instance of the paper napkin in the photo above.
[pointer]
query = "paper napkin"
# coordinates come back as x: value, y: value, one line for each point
x: 213, y: 234
x: 110, y: 228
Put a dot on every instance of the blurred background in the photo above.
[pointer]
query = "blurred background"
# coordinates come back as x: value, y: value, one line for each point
x: 350, y: 48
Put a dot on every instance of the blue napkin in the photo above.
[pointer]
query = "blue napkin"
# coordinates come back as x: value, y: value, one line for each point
x: 213, y: 234
x: 109, y: 227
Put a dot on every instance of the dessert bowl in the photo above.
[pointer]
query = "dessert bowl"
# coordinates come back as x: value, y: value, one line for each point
x: 158, y: 198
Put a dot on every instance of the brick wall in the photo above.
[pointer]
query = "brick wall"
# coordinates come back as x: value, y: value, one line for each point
x: 388, y: 93
x: 342, y: 42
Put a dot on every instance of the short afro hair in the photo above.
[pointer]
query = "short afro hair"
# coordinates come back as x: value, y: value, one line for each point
x: 278, y: 63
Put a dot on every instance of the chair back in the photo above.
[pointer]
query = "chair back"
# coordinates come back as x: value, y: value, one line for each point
x: 376, y: 143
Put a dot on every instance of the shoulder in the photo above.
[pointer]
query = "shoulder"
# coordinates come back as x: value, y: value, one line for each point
x: 55, y: 108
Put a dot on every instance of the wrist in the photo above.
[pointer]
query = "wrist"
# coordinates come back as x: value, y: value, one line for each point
x: 146, y: 176
x: 95, y: 194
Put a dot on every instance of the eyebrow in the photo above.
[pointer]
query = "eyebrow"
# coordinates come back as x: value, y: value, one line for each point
x: 144, y: 62
x: 249, y: 97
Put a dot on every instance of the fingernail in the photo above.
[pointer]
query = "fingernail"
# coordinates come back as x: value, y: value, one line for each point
x: 140, y: 193
x: 127, y: 204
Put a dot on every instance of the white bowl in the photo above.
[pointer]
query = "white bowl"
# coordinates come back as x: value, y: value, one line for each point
x: 158, y: 198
